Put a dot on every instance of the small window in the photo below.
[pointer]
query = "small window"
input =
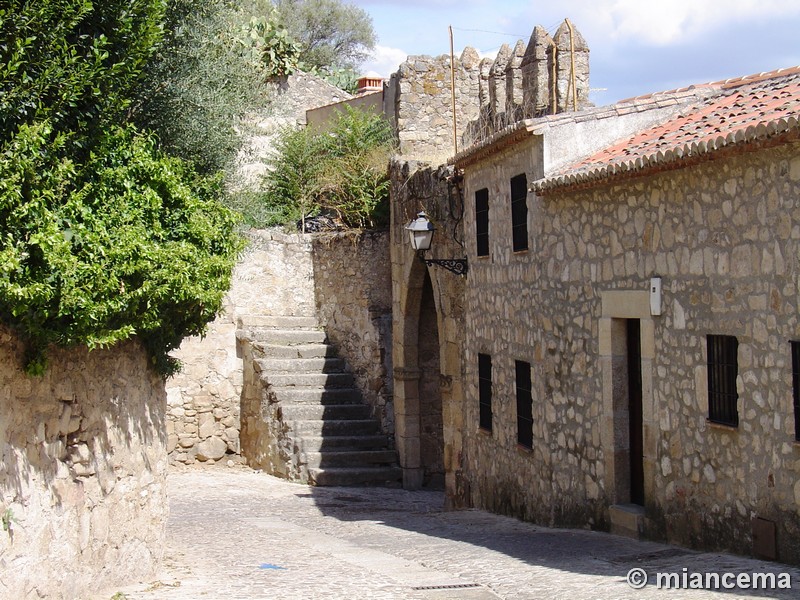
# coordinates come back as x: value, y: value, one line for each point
x: 524, y: 405
x: 485, y: 391
x: 482, y: 221
x: 519, y: 212
x: 796, y: 387
x: 723, y: 367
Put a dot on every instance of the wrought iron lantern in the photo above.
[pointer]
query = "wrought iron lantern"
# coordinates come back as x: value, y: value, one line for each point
x: 420, y: 232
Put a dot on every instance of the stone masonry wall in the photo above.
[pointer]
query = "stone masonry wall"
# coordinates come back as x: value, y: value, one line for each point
x: 352, y: 281
x: 274, y: 276
x: 341, y: 279
x: 83, y: 471
x: 725, y: 238
x: 423, y: 110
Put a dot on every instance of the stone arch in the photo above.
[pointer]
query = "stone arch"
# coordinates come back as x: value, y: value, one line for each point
x: 419, y: 393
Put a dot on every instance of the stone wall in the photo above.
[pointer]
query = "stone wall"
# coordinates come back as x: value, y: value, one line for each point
x: 352, y: 283
x: 341, y: 279
x: 274, y: 276
x: 83, y: 471
x: 422, y: 113
x: 724, y: 236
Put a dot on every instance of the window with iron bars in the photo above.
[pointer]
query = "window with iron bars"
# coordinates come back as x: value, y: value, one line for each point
x: 485, y: 391
x: 524, y: 404
x: 723, y: 367
x: 519, y: 212
x: 796, y: 387
x: 482, y: 222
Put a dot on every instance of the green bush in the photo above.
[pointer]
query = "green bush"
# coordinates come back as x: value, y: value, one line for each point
x: 131, y: 243
x: 342, y: 172
x: 102, y: 236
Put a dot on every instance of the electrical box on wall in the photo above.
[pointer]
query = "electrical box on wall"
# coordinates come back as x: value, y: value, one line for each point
x: 655, y: 296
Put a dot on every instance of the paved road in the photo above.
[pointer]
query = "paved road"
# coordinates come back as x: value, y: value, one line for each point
x: 239, y: 534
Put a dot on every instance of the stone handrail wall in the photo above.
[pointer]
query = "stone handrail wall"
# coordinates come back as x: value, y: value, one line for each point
x: 83, y: 471
x: 342, y: 279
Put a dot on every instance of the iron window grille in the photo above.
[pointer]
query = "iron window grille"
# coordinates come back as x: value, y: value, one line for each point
x: 482, y: 222
x: 519, y: 212
x: 524, y: 404
x: 796, y: 387
x: 485, y: 391
x: 723, y: 367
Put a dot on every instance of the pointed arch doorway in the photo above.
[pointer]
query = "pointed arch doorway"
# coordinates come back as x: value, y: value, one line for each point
x: 418, y: 392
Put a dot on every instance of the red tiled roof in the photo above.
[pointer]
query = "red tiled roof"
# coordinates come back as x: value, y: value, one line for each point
x: 744, y: 109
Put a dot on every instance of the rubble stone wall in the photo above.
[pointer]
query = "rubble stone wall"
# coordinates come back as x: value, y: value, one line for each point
x: 423, y: 104
x: 341, y: 279
x: 274, y: 276
x: 353, y: 285
x: 724, y: 236
x: 83, y: 471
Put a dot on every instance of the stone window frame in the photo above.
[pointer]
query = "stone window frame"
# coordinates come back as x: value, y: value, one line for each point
x: 482, y: 223
x: 485, y: 392
x: 722, y: 368
x: 519, y: 213
x: 524, y: 394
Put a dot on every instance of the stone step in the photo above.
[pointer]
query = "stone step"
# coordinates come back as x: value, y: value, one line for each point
x: 309, y: 380
x: 311, y: 444
x: 351, y: 458
x: 298, y: 351
x: 317, y: 427
x: 310, y: 395
x: 276, y: 322
x: 287, y: 337
x: 336, y: 412
x: 302, y: 365
x: 346, y: 476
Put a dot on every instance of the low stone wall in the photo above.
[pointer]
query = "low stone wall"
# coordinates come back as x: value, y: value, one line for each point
x: 352, y: 283
x: 83, y: 471
x: 342, y: 279
x: 274, y: 276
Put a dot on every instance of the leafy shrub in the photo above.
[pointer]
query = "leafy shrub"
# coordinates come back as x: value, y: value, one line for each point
x: 130, y: 243
x: 342, y: 172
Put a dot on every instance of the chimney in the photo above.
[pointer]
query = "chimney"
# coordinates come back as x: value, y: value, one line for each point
x: 371, y: 82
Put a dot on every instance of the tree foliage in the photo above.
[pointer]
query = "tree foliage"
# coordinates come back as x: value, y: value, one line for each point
x: 342, y: 172
x: 332, y: 33
x: 209, y: 70
x: 102, y: 236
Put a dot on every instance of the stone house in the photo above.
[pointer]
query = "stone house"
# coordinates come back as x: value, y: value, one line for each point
x: 623, y: 351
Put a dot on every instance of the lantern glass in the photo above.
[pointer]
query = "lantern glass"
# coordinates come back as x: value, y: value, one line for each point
x: 420, y: 232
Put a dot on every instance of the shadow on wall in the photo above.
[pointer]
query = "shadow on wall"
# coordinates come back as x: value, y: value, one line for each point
x: 83, y: 470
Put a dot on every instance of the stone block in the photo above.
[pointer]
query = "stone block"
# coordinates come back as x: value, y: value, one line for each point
x: 211, y: 449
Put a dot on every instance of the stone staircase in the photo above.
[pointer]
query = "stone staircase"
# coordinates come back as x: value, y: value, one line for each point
x: 318, y: 430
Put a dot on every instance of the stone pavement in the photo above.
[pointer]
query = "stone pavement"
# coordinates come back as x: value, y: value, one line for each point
x: 239, y: 534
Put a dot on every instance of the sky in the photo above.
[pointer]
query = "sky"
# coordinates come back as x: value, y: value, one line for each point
x: 637, y: 46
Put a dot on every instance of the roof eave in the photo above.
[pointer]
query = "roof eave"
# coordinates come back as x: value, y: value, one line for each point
x: 774, y: 133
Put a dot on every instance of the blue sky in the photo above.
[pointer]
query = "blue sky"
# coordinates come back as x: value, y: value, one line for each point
x: 637, y: 46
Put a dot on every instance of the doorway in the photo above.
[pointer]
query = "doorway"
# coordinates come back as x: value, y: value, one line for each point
x: 431, y: 441
x: 635, y: 421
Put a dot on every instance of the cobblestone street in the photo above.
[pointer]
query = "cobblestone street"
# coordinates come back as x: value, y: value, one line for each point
x: 239, y: 534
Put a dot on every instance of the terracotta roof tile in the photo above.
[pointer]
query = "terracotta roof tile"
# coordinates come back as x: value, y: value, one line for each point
x: 744, y: 109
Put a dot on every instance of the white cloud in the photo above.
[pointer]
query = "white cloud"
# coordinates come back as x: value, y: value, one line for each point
x: 384, y: 60
x: 662, y: 23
